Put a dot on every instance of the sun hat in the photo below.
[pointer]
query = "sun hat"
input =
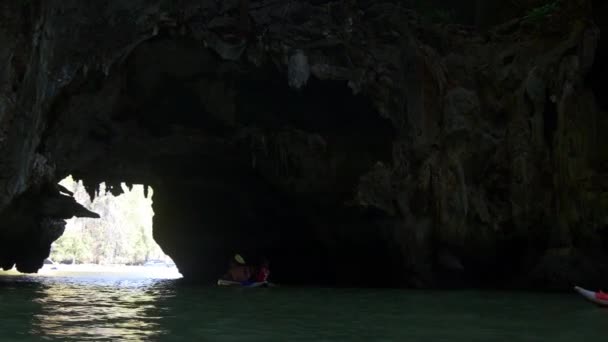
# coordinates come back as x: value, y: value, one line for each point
x: 239, y: 259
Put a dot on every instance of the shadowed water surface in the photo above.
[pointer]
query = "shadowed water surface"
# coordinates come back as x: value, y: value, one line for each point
x: 102, y: 308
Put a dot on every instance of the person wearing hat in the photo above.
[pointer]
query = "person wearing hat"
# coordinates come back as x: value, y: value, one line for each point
x: 239, y: 271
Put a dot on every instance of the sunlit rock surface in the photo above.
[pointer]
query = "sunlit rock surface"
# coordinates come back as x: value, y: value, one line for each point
x: 352, y: 143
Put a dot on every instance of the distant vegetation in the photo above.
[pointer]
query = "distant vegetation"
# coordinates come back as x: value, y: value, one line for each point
x: 123, y: 234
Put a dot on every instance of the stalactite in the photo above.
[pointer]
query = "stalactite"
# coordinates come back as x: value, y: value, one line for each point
x: 92, y: 189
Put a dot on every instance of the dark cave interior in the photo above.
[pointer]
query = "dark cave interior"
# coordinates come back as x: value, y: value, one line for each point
x: 226, y: 146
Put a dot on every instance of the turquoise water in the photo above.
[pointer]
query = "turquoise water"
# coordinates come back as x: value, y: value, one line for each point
x: 104, y: 308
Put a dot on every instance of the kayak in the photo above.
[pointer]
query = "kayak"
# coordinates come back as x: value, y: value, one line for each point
x: 222, y: 282
x: 598, y: 298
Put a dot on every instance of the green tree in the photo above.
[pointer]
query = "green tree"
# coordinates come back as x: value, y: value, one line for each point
x: 123, y: 234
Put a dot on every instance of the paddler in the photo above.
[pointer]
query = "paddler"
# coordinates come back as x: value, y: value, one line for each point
x: 263, y: 271
x: 239, y: 271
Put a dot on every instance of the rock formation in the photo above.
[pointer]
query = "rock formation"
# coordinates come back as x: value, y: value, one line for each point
x: 351, y: 142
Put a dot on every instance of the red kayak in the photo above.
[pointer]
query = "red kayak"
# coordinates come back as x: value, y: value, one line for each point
x: 599, y: 298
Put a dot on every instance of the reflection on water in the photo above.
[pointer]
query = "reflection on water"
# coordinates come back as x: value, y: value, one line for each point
x: 116, y: 310
x: 112, y: 308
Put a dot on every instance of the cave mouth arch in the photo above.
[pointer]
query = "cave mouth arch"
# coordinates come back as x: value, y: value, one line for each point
x: 119, y: 241
x: 239, y: 161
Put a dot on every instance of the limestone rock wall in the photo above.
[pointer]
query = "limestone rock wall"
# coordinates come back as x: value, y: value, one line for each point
x: 334, y: 136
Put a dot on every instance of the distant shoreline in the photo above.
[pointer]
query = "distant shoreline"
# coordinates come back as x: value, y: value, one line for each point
x: 61, y: 270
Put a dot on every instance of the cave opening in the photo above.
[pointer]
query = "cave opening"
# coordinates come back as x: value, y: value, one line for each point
x: 119, y: 242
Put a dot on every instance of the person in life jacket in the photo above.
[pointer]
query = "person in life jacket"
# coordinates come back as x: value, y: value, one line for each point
x: 263, y: 271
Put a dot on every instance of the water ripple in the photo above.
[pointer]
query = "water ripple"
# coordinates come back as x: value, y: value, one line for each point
x: 109, y: 309
x: 83, y: 309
